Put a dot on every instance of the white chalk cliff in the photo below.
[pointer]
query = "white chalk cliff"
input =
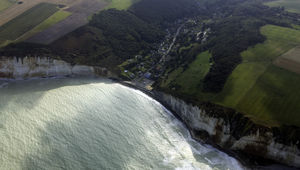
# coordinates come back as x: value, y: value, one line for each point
x: 260, y: 142
x: 34, y: 67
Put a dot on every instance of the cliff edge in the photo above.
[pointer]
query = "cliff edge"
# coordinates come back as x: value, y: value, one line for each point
x: 39, y: 67
x: 232, y: 131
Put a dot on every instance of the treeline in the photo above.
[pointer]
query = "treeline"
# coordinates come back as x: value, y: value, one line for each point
x: 230, y: 37
x: 161, y: 11
x: 236, y: 27
x: 127, y: 34
x: 112, y: 36
x: 25, y: 49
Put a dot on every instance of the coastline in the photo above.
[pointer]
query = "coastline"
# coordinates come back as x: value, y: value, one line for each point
x: 248, y: 160
x: 150, y: 94
x: 199, y: 135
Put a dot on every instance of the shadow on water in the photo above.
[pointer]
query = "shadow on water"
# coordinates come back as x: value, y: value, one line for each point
x: 105, y: 134
x: 13, y: 94
x: 37, y: 89
x: 118, y: 131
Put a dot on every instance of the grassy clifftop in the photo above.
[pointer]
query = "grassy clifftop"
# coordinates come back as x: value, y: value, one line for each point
x: 264, y: 92
x: 223, y: 54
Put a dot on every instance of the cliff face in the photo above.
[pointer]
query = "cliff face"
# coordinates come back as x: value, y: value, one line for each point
x: 232, y: 131
x: 209, y: 123
x: 33, y: 67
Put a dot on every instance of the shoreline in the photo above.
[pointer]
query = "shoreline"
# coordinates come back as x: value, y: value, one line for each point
x: 249, y: 161
x: 150, y: 94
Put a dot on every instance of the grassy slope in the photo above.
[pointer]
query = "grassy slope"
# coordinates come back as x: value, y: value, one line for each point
x: 268, y: 94
x: 191, y: 79
x: 290, y: 5
x: 53, y: 19
x: 120, y: 4
x: 5, y: 4
x: 297, y: 27
x: 27, y: 21
x: 274, y: 99
x: 247, y: 88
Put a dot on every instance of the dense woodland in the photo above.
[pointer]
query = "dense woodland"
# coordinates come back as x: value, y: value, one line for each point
x: 112, y: 36
x: 160, y: 12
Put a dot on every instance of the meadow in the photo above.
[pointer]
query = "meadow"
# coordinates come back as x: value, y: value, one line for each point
x: 289, y: 5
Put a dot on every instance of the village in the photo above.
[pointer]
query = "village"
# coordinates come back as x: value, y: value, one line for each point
x: 143, y: 71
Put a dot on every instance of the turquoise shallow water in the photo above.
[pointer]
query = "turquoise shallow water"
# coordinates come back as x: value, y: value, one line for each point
x: 76, y: 123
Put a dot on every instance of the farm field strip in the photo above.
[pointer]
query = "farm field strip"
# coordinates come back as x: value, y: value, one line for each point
x: 259, y: 88
x: 274, y: 99
x: 25, y: 22
x: 255, y: 61
x: 290, y: 60
x: 290, y: 5
x: 4, y: 4
x: 17, y: 9
x: 55, y: 18
x: 266, y: 93
x: 79, y: 17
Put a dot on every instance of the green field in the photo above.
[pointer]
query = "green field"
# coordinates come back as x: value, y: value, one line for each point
x: 274, y: 99
x: 53, y: 19
x: 247, y: 84
x: 26, y: 21
x: 5, y: 4
x: 297, y: 27
x: 266, y: 93
x: 120, y: 4
x: 192, y: 77
x: 289, y: 5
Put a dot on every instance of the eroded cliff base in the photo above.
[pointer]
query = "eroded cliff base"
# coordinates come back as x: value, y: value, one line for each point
x: 236, y: 134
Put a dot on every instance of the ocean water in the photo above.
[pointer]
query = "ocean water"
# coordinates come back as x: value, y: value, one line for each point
x: 76, y: 123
